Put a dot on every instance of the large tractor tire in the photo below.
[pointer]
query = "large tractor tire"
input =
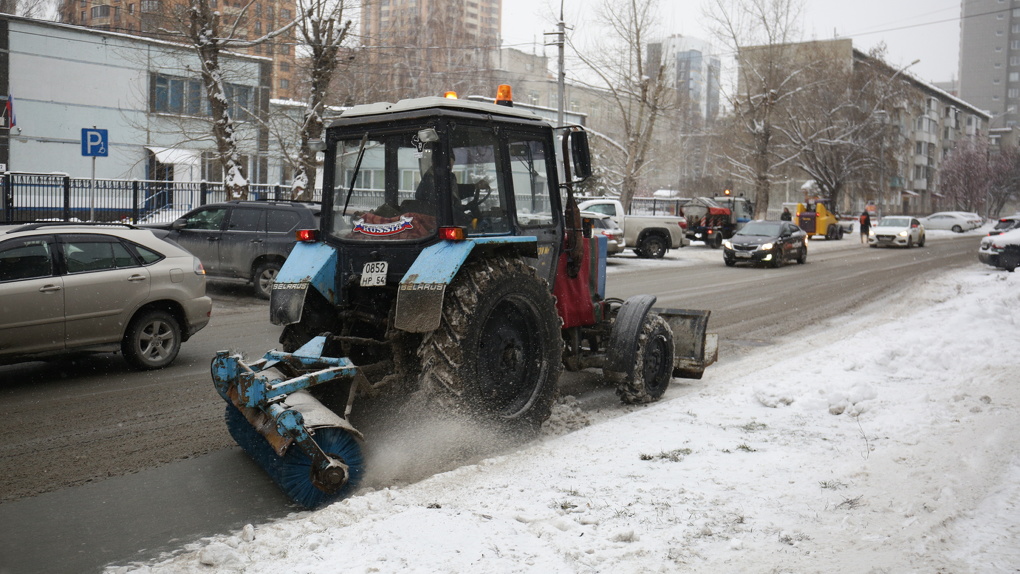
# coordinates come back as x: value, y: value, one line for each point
x: 653, y: 364
x: 498, y: 350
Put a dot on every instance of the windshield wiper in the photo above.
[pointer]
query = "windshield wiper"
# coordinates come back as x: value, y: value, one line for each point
x: 354, y: 176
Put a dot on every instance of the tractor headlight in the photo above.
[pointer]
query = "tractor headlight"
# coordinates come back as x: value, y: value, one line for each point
x: 766, y: 247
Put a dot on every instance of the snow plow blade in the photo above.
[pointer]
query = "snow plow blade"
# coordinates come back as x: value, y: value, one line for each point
x: 694, y: 349
x: 312, y: 453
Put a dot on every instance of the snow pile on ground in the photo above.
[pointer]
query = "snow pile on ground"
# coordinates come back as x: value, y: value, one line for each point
x: 887, y: 447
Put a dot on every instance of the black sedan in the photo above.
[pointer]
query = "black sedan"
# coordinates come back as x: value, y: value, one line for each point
x: 767, y: 242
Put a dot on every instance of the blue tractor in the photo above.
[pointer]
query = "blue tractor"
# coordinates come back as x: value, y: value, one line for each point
x: 451, y: 261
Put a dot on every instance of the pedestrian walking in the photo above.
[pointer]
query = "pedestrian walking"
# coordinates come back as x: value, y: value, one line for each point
x: 786, y: 215
x: 865, y: 220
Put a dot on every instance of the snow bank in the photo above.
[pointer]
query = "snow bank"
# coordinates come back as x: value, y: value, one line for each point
x: 888, y: 447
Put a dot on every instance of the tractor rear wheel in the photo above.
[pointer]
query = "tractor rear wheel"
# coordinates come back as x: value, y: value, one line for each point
x: 498, y: 349
x: 653, y: 365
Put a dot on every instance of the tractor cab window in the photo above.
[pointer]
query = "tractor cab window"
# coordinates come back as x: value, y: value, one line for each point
x: 477, y: 186
x: 531, y: 182
x: 385, y: 189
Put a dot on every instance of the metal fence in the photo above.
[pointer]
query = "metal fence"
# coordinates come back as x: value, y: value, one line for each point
x: 36, y: 197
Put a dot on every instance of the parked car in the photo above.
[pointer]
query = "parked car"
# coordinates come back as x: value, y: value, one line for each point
x: 604, y: 225
x: 650, y: 236
x: 1006, y: 224
x: 898, y: 230
x: 1001, y: 250
x: 78, y: 287
x: 771, y: 242
x: 956, y: 221
x: 247, y: 240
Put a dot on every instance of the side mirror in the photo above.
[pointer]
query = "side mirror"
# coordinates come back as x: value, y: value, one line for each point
x: 178, y: 224
x: 580, y: 155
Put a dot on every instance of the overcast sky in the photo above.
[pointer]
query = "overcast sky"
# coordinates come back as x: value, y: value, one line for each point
x: 928, y: 30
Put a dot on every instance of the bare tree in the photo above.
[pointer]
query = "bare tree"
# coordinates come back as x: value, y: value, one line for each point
x: 967, y: 177
x: 637, y: 88
x: 27, y: 8
x: 833, y: 125
x: 1005, y: 180
x: 324, y: 32
x: 209, y: 41
x: 760, y: 33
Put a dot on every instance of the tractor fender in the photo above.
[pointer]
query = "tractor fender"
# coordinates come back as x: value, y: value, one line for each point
x: 420, y: 294
x: 311, y: 265
x: 623, y: 340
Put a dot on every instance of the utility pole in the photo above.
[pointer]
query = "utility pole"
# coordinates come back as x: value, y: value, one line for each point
x: 560, y: 42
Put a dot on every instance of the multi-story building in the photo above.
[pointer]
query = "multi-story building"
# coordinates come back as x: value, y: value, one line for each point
x: 990, y: 58
x: 694, y: 69
x: 161, y: 19
x: 144, y: 93
x: 921, y: 126
x: 423, y: 47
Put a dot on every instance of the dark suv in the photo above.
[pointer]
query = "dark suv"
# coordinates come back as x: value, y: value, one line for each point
x: 244, y: 239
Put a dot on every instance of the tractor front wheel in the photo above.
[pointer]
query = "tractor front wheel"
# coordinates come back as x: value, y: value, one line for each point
x: 653, y: 365
x: 497, y: 352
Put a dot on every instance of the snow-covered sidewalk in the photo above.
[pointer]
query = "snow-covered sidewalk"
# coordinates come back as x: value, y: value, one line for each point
x: 888, y: 447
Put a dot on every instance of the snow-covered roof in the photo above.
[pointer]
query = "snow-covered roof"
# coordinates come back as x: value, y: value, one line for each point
x: 432, y: 102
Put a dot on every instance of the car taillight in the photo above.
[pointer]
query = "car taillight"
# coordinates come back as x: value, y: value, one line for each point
x: 199, y: 269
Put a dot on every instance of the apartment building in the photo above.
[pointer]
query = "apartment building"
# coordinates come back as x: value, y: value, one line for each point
x: 426, y: 47
x: 921, y: 126
x: 990, y: 58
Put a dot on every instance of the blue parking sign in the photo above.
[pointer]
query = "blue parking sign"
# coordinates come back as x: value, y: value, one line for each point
x: 94, y: 143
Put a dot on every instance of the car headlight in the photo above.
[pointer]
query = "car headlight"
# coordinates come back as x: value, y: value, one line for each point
x: 904, y: 233
x: 765, y: 247
x: 727, y: 244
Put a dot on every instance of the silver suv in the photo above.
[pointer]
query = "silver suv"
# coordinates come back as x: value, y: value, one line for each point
x: 67, y: 288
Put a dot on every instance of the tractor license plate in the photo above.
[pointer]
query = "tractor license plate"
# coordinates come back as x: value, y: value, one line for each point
x: 373, y: 274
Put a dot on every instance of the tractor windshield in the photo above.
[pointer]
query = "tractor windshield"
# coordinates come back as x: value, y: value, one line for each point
x: 384, y: 188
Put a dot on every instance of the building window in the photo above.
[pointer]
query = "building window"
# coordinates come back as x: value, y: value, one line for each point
x: 100, y: 11
x: 284, y: 83
x: 149, y: 6
x: 174, y: 95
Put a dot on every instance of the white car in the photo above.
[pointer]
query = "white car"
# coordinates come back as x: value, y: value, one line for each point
x: 897, y: 230
x: 956, y: 221
x: 1001, y: 250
